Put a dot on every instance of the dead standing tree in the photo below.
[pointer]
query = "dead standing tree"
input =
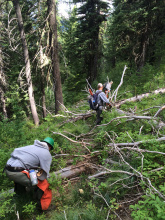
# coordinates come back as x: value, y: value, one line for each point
x: 3, y: 86
x: 3, y: 66
x: 27, y: 62
x: 114, y: 95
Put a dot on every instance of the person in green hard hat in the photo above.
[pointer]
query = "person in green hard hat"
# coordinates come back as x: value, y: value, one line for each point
x: 35, y: 157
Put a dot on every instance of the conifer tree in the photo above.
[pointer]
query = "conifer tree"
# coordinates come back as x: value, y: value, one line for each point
x: 134, y: 30
x: 91, y: 14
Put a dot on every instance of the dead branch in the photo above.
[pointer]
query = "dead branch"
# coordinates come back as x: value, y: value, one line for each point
x: 75, y: 155
x: 73, y: 141
x: 108, y: 171
x: 139, y: 97
x: 65, y: 110
x: 136, y: 172
x: 12, y: 33
x: 136, y: 117
x: 121, y: 82
x: 157, y: 191
x: 150, y: 108
x: 137, y: 143
x: 158, y: 125
x: 81, y: 135
x: 158, y: 112
x: 131, y: 200
x: 73, y: 171
x: 100, y: 195
x: 70, y: 171
x: 82, y: 116
x: 130, y: 117
x: 142, y: 150
x: 86, y: 156
x: 158, y: 169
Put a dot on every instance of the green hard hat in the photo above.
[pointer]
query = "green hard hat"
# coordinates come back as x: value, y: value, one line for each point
x: 49, y: 141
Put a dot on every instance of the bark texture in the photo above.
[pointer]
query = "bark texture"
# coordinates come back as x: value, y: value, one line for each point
x: 71, y: 171
x: 42, y: 83
x: 139, y: 97
x: 54, y: 53
x: 2, y: 86
x: 27, y: 62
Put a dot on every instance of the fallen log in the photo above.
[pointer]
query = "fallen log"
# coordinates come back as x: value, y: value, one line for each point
x: 139, y: 97
x: 136, y: 117
x: 71, y: 171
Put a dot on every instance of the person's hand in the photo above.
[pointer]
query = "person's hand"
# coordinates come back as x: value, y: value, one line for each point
x: 109, y: 106
x: 39, y: 173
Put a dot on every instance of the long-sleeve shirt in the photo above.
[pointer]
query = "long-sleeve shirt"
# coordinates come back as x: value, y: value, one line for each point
x: 32, y: 156
x: 102, y: 99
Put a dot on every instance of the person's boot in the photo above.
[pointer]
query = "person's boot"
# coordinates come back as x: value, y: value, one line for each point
x: 98, y: 121
x: 19, y: 189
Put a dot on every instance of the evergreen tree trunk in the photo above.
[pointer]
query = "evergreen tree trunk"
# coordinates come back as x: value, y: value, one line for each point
x: 27, y: 62
x: 94, y: 63
x: 2, y: 86
x: 143, y: 49
x: 42, y: 83
x: 54, y: 51
x: 43, y: 93
x: 91, y: 14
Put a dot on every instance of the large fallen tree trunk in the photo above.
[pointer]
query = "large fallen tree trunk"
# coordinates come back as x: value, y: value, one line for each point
x: 139, y: 97
x: 76, y: 170
x: 71, y: 171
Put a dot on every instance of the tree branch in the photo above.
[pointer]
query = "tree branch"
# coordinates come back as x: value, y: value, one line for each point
x: 158, y: 112
x: 73, y: 141
x: 137, y: 143
x: 121, y: 82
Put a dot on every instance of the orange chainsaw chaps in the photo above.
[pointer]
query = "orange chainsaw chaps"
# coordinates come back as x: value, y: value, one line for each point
x: 44, y: 186
x: 47, y: 196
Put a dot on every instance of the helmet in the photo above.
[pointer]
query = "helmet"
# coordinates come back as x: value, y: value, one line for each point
x: 49, y: 141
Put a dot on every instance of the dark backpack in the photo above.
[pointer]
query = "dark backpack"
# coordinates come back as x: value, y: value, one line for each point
x: 93, y: 101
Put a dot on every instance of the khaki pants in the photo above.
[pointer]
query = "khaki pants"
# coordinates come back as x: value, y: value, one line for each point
x: 18, y: 177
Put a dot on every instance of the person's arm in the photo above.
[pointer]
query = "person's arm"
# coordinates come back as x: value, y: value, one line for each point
x: 45, y: 163
x: 104, y: 98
